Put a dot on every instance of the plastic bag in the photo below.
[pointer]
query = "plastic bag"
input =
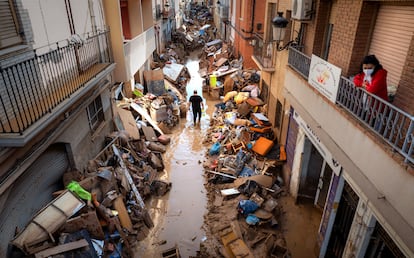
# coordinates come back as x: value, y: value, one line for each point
x: 79, y: 191
x: 215, y: 149
x: 247, y: 206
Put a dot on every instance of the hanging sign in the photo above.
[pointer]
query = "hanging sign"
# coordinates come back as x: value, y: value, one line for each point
x: 324, y: 77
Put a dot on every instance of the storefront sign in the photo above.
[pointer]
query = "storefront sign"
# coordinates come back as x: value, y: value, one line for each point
x: 324, y: 77
x: 313, y: 137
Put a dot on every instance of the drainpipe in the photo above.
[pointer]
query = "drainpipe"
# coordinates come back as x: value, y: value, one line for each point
x: 70, y: 17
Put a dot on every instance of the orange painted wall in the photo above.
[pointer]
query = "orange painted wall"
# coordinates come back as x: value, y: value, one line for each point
x: 246, y: 27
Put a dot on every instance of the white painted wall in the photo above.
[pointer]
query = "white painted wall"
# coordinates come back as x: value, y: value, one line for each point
x: 297, y: 160
x: 49, y: 21
x: 233, y: 19
x: 82, y: 16
x: 138, y: 50
x: 50, y: 24
x: 366, y: 161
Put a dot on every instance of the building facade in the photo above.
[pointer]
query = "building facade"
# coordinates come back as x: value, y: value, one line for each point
x: 353, y: 161
x: 134, y: 37
x: 243, y: 26
x: 55, y: 77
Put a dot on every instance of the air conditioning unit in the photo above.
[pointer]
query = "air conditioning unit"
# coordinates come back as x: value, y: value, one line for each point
x: 301, y: 9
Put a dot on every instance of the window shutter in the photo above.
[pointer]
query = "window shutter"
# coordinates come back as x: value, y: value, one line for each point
x: 391, y: 39
x: 9, y: 34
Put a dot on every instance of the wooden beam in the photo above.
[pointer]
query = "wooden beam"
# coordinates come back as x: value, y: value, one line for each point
x: 62, y: 248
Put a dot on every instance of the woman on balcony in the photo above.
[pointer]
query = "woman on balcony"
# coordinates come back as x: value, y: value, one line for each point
x: 372, y: 77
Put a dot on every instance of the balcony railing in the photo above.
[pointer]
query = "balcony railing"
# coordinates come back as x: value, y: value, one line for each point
x: 31, y: 89
x: 263, y: 52
x: 393, y: 125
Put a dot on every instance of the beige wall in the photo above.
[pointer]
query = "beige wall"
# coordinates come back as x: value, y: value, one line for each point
x: 113, y: 19
x: 366, y: 161
x: 135, y: 17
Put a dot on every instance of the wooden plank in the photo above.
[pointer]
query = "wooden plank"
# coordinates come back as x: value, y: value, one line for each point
x: 129, y: 123
x: 122, y: 213
x: 149, y: 134
x: 145, y: 114
x: 129, y: 178
x: 62, y: 248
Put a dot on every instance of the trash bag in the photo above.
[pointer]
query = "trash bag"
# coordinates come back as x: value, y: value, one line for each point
x: 246, y: 172
x: 247, y: 206
x: 215, y: 149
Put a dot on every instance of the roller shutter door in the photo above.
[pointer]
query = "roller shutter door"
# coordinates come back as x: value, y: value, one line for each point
x: 31, y: 192
x: 391, y: 39
x: 9, y: 34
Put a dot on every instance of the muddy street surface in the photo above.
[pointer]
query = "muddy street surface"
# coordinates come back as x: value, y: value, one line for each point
x: 178, y: 216
x: 186, y: 216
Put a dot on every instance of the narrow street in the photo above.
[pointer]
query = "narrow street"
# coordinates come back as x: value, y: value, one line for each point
x: 178, y: 216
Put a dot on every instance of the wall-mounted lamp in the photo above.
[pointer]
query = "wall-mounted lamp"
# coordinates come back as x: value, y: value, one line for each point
x: 218, y: 3
x: 279, y: 24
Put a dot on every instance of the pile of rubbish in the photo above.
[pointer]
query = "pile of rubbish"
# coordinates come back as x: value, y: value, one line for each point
x: 243, y: 167
x: 101, y: 211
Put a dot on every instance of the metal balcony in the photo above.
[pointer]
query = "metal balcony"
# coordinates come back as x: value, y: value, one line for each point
x: 263, y: 54
x: 34, y: 88
x: 393, y: 125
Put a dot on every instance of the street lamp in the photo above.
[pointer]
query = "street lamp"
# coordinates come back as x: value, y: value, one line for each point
x: 279, y: 24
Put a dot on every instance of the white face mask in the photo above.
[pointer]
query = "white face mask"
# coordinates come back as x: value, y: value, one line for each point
x: 368, y: 72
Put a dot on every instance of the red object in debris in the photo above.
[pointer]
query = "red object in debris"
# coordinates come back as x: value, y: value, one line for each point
x: 214, y: 164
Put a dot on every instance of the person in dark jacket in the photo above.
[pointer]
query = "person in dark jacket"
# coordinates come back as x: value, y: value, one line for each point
x: 196, y: 104
x: 372, y: 77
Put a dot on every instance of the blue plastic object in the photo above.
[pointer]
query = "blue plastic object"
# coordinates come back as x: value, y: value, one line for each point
x: 247, y: 206
x: 252, y: 219
x: 215, y: 149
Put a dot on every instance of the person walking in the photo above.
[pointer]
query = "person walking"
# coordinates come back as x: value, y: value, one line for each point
x: 196, y: 104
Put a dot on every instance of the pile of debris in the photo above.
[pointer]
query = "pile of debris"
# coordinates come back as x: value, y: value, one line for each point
x: 243, y: 167
x: 101, y: 211
x: 194, y: 33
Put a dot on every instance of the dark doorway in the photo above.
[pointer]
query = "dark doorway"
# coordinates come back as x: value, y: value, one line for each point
x: 343, y: 221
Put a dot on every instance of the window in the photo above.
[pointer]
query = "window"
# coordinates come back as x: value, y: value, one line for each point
x: 327, y: 42
x: 95, y: 114
x: 264, y: 92
x: 382, y: 245
x: 278, y: 115
x: 9, y: 29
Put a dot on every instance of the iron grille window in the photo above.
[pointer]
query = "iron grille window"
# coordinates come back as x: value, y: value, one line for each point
x: 381, y: 245
x: 95, y: 114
